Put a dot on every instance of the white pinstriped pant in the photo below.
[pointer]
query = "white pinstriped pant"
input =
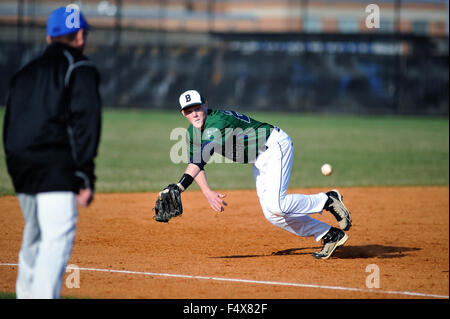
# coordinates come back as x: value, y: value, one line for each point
x: 271, y: 171
x: 50, y: 221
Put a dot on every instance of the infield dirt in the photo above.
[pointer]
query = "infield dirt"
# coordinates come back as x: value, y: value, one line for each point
x: 404, y: 231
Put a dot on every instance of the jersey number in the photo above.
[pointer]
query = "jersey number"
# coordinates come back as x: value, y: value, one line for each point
x: 237, y: 115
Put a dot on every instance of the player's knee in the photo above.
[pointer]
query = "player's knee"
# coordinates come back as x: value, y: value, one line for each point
x: 275, y: 219
x: 273, y: 208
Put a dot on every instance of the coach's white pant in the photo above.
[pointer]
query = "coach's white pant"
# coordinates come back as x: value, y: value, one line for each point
x: 50, y: 221
x: 271, y: 171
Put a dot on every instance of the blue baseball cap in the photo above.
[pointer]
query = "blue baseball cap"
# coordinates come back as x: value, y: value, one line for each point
x: 66, y: 20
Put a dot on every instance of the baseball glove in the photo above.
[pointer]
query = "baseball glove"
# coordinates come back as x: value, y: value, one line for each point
x: 168, y: 204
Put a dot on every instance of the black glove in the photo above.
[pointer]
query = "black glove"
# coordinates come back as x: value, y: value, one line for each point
x: 168, y: 204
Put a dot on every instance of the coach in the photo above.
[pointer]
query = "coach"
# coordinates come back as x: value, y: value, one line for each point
x: 51, y: 134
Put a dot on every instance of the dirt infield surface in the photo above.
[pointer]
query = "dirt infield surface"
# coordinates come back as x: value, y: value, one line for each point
x: 123, y: 253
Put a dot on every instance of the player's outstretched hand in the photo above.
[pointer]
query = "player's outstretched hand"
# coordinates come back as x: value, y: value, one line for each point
x: 215, y: 201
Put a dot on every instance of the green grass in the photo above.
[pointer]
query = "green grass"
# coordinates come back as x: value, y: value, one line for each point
x: 7, y: 295
x: 134, y: 153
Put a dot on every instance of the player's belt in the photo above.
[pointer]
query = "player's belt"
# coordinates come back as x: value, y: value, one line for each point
x: 278, y: 130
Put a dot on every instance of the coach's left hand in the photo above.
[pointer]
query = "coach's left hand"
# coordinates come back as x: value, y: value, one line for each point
x: 85, y: 197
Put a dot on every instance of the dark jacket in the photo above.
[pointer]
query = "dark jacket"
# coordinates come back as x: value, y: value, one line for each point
x: 52, y: 122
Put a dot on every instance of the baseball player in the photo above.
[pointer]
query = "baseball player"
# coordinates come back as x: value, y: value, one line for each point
x: 270, y: 150
x: 51, y: 135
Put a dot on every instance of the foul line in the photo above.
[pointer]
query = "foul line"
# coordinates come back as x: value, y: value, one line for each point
x: 261, y: 282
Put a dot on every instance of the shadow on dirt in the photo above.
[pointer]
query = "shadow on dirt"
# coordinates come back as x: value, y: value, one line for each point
x: 372, y: 251
x: 355, y: 252
x: 346, y: 252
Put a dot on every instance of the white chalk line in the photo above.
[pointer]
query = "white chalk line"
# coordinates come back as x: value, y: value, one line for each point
x: 261, y: 282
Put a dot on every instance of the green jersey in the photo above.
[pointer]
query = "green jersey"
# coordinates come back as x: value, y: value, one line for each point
x: 230, y: 134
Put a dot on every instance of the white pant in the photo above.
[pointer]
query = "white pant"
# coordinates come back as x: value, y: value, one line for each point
x: 50, y: 221
x: 271, y: 171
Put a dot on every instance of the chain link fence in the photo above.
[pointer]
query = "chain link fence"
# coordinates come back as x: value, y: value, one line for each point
x: 243, y: 56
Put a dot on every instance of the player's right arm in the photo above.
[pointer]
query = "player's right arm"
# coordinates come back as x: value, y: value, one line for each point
x: 194, y: 172
x: 214, y: 198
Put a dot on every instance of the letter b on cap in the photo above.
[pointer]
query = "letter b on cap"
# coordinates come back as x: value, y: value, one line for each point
x: 188, y: 98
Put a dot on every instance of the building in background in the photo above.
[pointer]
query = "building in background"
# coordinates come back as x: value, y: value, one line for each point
x: 293, y: 55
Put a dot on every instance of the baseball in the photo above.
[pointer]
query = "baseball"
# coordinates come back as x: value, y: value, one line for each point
x: 326, y: 169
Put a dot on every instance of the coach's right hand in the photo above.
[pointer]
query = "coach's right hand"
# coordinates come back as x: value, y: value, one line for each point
x: 85, y: 197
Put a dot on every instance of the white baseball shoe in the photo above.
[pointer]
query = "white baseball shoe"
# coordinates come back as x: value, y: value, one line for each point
x: 331, y: 241
x: 335, y: 206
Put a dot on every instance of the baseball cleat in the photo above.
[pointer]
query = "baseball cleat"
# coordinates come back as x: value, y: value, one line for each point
x: 331, y: 241
x: 336, y: 206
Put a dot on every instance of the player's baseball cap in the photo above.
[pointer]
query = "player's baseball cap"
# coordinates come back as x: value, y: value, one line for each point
x: 66, y: 20
x: 190, y: 98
